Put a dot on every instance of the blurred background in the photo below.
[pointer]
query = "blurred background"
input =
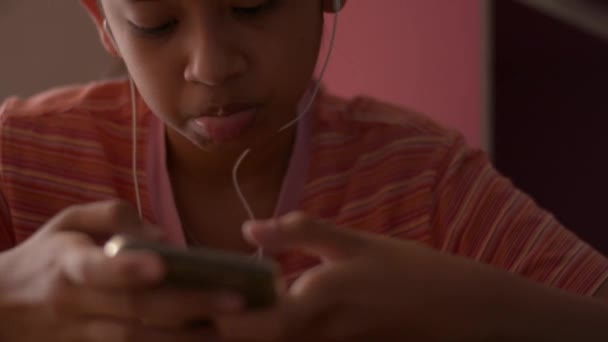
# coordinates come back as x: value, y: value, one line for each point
x: 525, y: 80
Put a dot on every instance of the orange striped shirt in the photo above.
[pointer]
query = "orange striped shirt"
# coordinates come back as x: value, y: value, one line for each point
x: 372, y: 167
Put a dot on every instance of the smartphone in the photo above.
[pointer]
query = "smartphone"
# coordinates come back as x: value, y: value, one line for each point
x: 208, y: 269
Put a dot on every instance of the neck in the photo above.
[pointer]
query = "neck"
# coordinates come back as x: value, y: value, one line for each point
x: 263, y: 167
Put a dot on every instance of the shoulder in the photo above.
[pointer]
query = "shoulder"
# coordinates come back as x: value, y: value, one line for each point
x: 365, y: 130
x: 376, y: 166
x: 66, y: 131
x: 72, y: 118
x: 373, y: 114
x: 63, y: 147
x: 76, y: 100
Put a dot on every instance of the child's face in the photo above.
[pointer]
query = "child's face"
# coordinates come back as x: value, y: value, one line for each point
x: 191, y: 57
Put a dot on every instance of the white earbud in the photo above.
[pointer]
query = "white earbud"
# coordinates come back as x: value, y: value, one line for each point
x: 337, y: 5
x: 106, y: 27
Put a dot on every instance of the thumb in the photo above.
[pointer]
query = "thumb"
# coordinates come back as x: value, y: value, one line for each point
x: 301, y: 232
x: 104, y: 219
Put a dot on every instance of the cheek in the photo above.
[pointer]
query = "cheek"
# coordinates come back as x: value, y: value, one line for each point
x: 158, y: 80
x: 290, y: 62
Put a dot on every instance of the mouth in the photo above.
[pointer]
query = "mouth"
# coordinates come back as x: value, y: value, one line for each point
x: 222, y: 124
x: 227, y: 109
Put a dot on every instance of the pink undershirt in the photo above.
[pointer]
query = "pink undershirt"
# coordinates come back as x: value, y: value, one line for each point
x: 161, y: 192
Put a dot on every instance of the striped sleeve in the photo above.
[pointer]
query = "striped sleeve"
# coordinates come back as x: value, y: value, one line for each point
x: 7, y: 239
x: 478, y: 213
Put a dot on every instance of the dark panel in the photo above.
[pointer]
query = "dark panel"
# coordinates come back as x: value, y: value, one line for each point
x: 551, y: 116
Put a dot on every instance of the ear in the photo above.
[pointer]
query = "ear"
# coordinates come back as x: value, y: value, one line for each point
x: 92, y: 7
x: 329, y: 6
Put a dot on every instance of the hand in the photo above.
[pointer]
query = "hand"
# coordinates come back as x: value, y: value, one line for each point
x: 367, y: 288
x: 59, y: 286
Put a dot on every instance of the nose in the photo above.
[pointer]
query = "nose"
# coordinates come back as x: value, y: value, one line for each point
x: 213, y: 58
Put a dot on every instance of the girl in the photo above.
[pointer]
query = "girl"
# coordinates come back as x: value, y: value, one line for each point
x: 387, y: 228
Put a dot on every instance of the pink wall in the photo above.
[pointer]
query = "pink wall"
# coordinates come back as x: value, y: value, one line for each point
x: 425, y: 55
x: 35, y: 36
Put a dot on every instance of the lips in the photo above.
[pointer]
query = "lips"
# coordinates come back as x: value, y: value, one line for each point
x: 223, y: 124
x: 229, y: 109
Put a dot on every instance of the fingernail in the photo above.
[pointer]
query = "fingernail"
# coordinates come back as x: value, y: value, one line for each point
x: 148, y: 273
x: 230, y: 303
x: 259, y: 231
x: 250, y: 226
x: 260, y: 223
x: 154, y: 232
x: 146, y: 270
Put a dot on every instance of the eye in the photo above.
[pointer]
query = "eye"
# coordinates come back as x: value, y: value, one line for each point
x: 247, y: 10
x: 253, y: 10
x: 155, y: 30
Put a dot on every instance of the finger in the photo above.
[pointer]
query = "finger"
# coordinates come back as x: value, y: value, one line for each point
x: 87, y: 265
x: 104, y: 219
x: 298, y: 231
x: 162, y: 307
x: 115, y: 331
x: 294, y: 319
x: 302, y: 315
